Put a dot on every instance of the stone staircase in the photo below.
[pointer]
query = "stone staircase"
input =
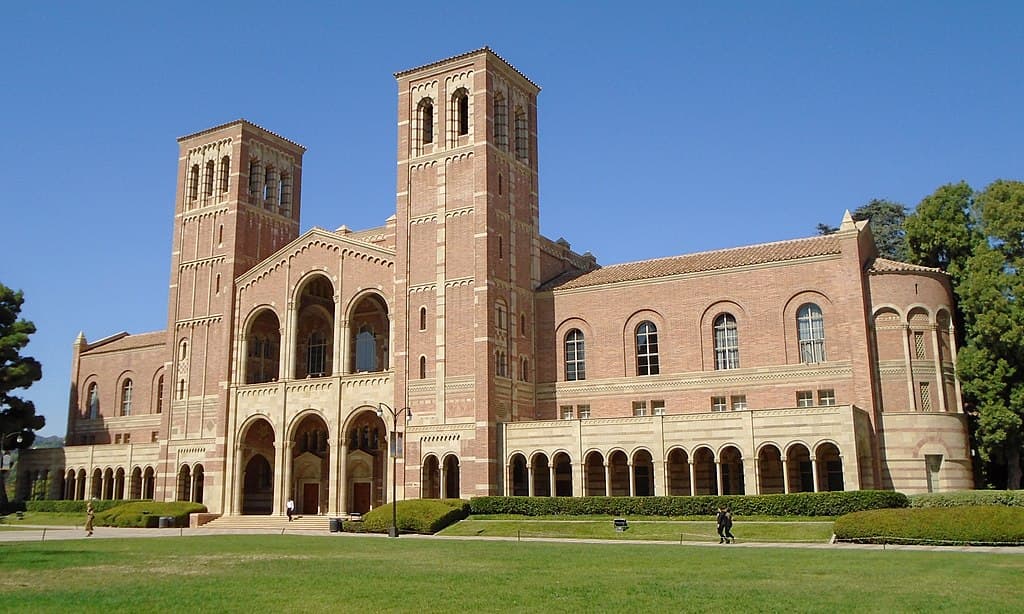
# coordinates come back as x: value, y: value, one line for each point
x: 276, y: 523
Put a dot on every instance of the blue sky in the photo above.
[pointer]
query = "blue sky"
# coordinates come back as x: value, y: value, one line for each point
x: 665, y: 128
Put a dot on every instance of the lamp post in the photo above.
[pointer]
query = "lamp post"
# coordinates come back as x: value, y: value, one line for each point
x: 5, y: 462
x: 393, y: 451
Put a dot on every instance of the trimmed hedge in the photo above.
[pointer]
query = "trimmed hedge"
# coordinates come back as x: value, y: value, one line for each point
x: 989, y: 524
x: 794, y: 504
x: 425, y: 516
x: 146, y: 514
x: 1012, y: 498
x: 73, y: 507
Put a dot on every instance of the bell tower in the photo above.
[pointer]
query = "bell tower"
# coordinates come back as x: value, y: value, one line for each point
x: 467, y: 259
x: 238, y: 201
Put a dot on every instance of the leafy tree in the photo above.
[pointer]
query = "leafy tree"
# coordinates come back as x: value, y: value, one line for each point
x: 17, y: 416
x: 886, y: 219
x: 941, y: 232
x: 991, y: 363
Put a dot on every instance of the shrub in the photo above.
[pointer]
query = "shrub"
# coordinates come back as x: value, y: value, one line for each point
x: 74, y: 507
x: 146, y: 514
x: 794, y: 504
x: 426, y: 516
x: 1013, y: 498
x: 934, y: 525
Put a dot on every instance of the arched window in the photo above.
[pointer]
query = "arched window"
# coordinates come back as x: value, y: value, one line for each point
x: 270, y: 185
x: 208, y: 179
x: 316, y: 358
x: 647, y: 349
x: 225, y: 172
x: 183, y: 349
x: 366, y: 350
x: 193, y: 182
x: 522, y: 136
x: 423, y: 367
x: 160, y: 395
x: 501, y: 364
x: 811, y: 333
x: 181, y: 388
x: 522, y: 324
x: 500, y: 123
x: 500, y: 316
x: 94, y: 400
x: 426, y: 119
x: 126, y: 397
x: 524, y: 369
x: 286, y: 194
x: 727, y: 344
x: 255, y: 177
x: 575, y: 356
x: 423, y: 318
x: 460, y: 111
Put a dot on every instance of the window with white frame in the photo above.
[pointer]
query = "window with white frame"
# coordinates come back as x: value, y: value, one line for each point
x: 804, y: 398
x: 567, y: 413
x: 583, y: 411
x: 811, y: 333
x: 126, y: 397
x: 738, y: 401
x: 727, y: 345
x: 639, y: 408
x: 827, y: 397
x: 647, y: 349
x: 575, y: 356
x: 658, y: 408
x: 718, y: 404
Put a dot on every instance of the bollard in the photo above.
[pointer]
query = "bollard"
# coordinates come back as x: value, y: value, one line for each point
x: 43, y: 538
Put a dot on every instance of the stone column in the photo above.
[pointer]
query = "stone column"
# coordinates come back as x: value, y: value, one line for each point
x: 343, y: 477
x: 718, y: 475
x: 693, y: 479
x: 288, y: 335
x: 940, y: 395
x: 442, y: 488
x: 239, y: 485
x: 632, y: 478
x: 814, y: 472
x: 332, y: 479
x: 339, y: 334
x: 529, y: 480
x: 785, y: 475
x: 607, y: 480
x: 911, y: 397
x: 343, y: 351
x: 551, y: 479
x: 578, y: 485
x: 660, y: 486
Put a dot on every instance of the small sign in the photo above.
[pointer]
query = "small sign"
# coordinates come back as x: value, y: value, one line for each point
x: 5, y: 465
x: 397, y: 444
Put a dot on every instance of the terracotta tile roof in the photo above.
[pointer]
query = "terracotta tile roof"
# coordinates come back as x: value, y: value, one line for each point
x: 703, y: 261
x: 884, y: 265
x: 466, y: 55
x: 239, y: 121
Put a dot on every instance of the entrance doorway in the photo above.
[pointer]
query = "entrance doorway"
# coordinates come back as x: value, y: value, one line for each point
x: 310, y: 498
x: 361, y: 497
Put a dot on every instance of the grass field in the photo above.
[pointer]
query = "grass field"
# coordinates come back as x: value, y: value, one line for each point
x: 749, y: 531
x: 348, y: 574
x: 43, y: 518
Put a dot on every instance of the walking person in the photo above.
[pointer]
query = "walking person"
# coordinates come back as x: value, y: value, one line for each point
x: 725, y: 526
x: 90, y: 517
x: 291, y: 509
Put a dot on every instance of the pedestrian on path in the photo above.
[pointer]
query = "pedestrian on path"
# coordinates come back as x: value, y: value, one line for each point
x: 291, y: 509
x: 90, y: 517
x: 725, y: 526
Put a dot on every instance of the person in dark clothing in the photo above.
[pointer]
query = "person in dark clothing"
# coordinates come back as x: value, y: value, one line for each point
x: 725, y: 526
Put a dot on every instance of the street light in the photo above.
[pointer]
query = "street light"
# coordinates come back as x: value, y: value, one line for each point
x: 5, y: 461
x: 393, y: 451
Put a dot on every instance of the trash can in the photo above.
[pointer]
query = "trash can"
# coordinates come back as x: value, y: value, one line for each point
x: 166, y: 522
x: 335, y: 525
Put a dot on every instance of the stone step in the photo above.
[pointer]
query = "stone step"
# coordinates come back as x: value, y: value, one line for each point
x: 299, y: 523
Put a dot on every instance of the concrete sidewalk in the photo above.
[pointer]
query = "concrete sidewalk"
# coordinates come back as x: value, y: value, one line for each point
x: 34, y: 533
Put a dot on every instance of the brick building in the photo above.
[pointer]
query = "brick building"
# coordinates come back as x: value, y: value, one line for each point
x: 495, y: 360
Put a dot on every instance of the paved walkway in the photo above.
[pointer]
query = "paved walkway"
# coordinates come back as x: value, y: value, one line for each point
x: 33, y: 533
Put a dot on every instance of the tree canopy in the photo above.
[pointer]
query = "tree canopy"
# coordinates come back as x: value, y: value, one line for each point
x: 979, y: 240
x: 18, y: 419
x: 887, y: 219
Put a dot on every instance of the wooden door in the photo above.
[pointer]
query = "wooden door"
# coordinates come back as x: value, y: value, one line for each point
x: 310, y: 499
x: 361, y: 497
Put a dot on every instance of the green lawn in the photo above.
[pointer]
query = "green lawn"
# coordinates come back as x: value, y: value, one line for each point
x: 258, y: 573
x: 690, y: 531
x: 44, y: 518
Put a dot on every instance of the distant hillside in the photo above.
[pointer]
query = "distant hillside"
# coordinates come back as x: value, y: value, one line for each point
x: 54, y: 441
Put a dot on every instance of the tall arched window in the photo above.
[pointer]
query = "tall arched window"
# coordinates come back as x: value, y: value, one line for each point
x: 575, y: 356
x: 208, y: 179
x: 423, y: 367
x: 255, y: 177
x: 727, y: 344
x: 160, y: 395
x: 126, y: 397
x: 286, y: 194
x: 500, y: 122
x: 524, y: 369
x: 183, y: 349
x: 423, y: 318
x: 270, y: 186
x: 522, y: 136
x: 193, y: 182
x: 225, y: 172
x: 316, y: 358
x: 94, y: 400
x: 811, y: 333
x: 426, y: 120
x: 647, y: 349
x: 460, y: 111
